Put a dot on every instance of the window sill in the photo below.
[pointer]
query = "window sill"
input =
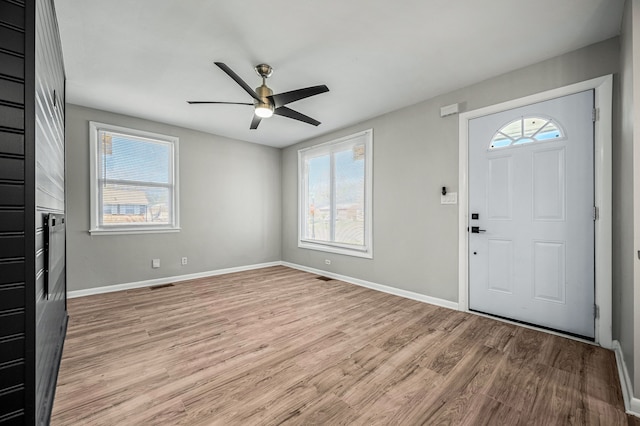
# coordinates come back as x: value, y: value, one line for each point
x: 124, y: 231
x: 364, y: 253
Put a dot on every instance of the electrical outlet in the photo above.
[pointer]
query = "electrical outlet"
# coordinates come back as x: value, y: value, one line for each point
x: 155, y: 263
x: 327, y: 262
x: 184, y: 260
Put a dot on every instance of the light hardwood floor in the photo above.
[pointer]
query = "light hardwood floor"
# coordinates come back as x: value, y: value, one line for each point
x: 278, y: 345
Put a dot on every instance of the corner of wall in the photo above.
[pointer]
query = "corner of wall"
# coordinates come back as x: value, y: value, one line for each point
x: 631, y: 404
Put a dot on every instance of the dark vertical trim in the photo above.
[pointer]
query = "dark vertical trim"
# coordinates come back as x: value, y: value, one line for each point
x: 56, y: 366
x: 30, y: 210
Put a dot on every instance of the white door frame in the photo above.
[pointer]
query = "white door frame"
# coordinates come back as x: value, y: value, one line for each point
x: 603, y: 87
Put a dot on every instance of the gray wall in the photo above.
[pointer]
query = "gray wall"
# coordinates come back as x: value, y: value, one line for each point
x: 416, y: 153
x: 229, y: 208
x: 623, y: 221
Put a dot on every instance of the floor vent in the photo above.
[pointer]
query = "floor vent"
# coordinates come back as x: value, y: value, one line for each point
x: 156, y: 287
x: 321, y: 278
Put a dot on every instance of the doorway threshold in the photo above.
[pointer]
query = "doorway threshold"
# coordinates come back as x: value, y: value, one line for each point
x: 537, y: 327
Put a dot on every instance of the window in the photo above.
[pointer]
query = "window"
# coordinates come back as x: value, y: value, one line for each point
x: 335, y: 181
x: 526, y: 130
x: 134, y: 181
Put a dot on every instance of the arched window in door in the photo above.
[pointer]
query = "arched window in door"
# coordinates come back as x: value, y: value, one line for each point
x: 526, y: 130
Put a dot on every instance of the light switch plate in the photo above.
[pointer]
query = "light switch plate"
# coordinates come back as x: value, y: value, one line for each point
x: 450, y: 198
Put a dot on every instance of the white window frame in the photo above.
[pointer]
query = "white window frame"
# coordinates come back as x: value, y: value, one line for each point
x: 366, y: 250
x: 95, y: 205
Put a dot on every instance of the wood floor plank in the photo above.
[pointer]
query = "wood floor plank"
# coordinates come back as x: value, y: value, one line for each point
x: 327, y: 409
x: 278, y: 346
x: 452, y: 398
x: 486, y: 411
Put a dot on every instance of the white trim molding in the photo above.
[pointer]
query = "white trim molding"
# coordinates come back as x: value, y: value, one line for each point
x: 603, y: 87
x: 631, y: 404
x: 166, y: 280
x: 379, y: 287
x: 174, y: 279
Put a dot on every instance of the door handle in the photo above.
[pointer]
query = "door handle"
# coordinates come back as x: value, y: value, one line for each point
x: 477, y: 230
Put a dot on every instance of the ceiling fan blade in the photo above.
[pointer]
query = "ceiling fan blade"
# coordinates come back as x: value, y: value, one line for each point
x: 212, y: 102
x: 255, y: 121
x: 289, y: 113
x: 238, y: 80
x: 281, y: 99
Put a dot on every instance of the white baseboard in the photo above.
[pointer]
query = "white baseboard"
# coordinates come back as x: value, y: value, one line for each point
x: 379, y: 287
x: 166, y: 280
x: 631, y: 404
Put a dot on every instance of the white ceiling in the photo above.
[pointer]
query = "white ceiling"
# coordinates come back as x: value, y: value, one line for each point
x: 146, y: 58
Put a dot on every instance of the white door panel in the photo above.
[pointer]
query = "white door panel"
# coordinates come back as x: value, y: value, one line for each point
x: 500, y: 265
x: 500, y: 189
x: 549, y: 271
x: 549, y: 185
x: 535, y: 260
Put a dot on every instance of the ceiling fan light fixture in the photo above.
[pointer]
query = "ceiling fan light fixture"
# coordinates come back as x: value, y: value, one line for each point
x: 265, y: 103
x: 264, y: 110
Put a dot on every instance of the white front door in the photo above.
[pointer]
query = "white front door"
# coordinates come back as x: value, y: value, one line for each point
x: 531, y: 212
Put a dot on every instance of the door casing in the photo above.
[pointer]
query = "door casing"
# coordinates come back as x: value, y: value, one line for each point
x: 603, y: 87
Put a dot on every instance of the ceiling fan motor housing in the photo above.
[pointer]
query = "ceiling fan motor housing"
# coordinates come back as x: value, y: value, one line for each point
x: 263, y: 93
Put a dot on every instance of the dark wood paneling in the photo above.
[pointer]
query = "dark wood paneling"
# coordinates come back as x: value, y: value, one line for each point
x: 12, y: 169
x: 12, y: 374
x: 11, y: 297
x: 11, y: 349
x: 11, y: 323
x: 12, y: 91
x: 11, y: 40
x: 12, y: 214
x: 12, y: 143
x: 12, y: 65
x: 12, y: 401
x: 14, y: 419
x: 12, y: 13
x: 11, y: 246
x: 12, y: 195
x: 11, y: 272
x: 11, y: 221
x: 11, y: 117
